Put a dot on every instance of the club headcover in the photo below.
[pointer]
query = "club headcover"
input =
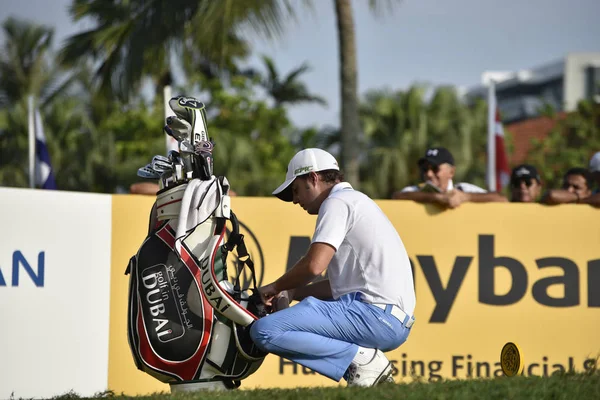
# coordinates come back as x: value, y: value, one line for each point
x: 193, y: 112
x: 203, y: 160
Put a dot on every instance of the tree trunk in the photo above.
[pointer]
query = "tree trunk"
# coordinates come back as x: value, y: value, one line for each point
x: 164, y: 79
x: 348, y: 84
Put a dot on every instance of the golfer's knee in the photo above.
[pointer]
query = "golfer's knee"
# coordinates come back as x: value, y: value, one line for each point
x: 261, y: 333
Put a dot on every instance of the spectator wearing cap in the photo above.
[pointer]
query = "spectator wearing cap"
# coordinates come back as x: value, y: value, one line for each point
x: 437, y: 170
x: 525, y: 184
x: 576, y: 188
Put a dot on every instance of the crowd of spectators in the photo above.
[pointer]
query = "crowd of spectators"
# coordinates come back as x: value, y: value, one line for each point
x: 580, y: 185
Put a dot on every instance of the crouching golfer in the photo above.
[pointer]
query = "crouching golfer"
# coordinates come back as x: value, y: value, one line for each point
x: 342, y: 325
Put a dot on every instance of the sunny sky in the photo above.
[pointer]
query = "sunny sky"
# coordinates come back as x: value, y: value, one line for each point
x: 425, y: 41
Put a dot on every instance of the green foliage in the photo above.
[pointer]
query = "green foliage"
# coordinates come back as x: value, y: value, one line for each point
x: 94, y: 144
x: 136, y: 38
x: 462, y: 128
x: 571, y: 143
x: 289, y: 89
x: 400, y: 125
x: 98, y: 142
x: 14, y: 145
x: 137, y: 135
x: 251, y: 146
x: 82, y: 160
x: 24, y: 67
x: 395, y: 130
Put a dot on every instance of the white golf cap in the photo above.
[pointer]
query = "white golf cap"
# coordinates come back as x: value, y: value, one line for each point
x: 595, y: 163
x: 304, y: 162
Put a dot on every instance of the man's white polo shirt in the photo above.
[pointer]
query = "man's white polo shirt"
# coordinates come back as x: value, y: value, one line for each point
x: 370, y: 257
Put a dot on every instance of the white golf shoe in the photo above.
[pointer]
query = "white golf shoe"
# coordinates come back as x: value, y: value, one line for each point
x: 370, y: 374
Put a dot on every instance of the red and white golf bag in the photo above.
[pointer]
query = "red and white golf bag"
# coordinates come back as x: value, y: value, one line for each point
x: 188, y: 320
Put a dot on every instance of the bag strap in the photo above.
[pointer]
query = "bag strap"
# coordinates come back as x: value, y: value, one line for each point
x: 236, y: 239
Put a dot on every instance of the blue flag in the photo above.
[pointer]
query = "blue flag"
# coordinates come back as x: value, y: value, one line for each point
x: 44, y: 176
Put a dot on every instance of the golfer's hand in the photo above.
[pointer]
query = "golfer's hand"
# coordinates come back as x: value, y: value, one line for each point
x: 283, y: 299
x: 267, y: 294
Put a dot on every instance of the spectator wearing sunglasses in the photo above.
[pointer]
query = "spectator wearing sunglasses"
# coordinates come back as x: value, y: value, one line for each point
x: 525, y: 184
x: 576, y: 188
x: 437, y: 170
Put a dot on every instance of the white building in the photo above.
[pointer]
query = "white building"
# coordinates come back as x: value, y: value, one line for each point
x: 560, y: 84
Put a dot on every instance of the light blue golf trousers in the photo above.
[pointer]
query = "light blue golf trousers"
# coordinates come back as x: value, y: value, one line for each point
x: 324, y: 335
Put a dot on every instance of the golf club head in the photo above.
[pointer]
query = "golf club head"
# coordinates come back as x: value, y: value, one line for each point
x: 161, y: 158
x: 185, y: 148
x: 161, y: 166
x: 186, y: 160
x: 178, y: 128
x: 173, y: 156
x: 147, y: 172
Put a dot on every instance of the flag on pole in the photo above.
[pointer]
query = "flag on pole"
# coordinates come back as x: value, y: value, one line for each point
x: 44, y: 176
x: 498, y: 172
x: 502, y: 169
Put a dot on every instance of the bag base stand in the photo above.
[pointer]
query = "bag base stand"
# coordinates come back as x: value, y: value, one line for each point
x: 217, y: 385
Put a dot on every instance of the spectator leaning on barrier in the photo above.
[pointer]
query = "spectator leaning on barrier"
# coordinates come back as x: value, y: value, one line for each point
x: 437, y: 170
x: 152, y: 189
x: 525, y: 184
x: 576, y: 188
x: 149, y: 188
x: 342, y: 324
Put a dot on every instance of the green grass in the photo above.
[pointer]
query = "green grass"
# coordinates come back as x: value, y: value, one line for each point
x: 565, y: 386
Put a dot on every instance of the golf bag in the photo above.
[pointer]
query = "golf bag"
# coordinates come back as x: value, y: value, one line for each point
x: 188, y: 320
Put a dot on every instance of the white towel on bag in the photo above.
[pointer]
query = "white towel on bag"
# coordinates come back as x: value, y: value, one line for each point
x: 199, y: 202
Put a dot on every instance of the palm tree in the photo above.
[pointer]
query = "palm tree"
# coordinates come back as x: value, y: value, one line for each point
x: 83, y: 156
x: 395, y: 127
x: 82, y: 150
x: 399, y: 126
x: 26, y: 65
x: 327, y: 138
x: 461, y: 128
x: 570, y: 143
x: 14, y: 145
x: 289, y: 89
x: 137, y: 38
x: 26, y: 68
x: 350, y: 125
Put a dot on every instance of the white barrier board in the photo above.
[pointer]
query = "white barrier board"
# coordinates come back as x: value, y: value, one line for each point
x: 55, y: 253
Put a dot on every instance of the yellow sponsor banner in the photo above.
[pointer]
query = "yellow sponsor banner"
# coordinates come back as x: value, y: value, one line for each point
x: 485, y: 274
x: 130, y: 217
